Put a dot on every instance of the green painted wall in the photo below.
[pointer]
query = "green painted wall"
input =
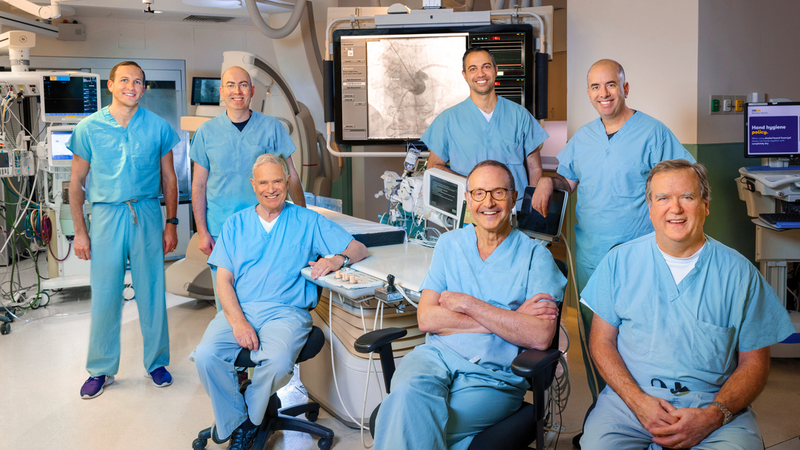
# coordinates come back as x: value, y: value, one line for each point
x: 343, y: 187
x: 728, y: 221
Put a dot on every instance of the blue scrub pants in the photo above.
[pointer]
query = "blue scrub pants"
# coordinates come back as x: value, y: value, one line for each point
x: 613, y: 425
x: 115, y: 240
x: 584, y: 271
x: 440, y: 400
x: 282, y: 332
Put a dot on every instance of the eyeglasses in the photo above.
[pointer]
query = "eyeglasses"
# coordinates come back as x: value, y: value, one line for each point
x: 232, y: 86
x: 497, y: 193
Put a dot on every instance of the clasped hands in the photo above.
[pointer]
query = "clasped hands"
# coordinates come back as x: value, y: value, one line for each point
x: 673, y: 427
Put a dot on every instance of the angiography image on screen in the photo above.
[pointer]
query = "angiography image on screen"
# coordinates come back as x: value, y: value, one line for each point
x: 410, y: 80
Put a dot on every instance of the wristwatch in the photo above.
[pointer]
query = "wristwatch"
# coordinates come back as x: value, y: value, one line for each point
x: 346, y: 259
x: 173, y: 221
x: 725, y: 412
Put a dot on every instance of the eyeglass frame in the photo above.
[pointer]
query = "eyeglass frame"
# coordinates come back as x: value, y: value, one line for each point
x: 491, y: 193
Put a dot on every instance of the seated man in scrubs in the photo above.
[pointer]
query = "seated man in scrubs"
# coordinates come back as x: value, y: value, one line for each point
x: 265, y: 300
x: 607, y: 161
x: 490, y: 292
x: 486, y: 126
x: 682, y: 330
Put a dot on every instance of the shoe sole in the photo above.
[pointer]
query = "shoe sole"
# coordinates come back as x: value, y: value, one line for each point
x: 162, y: 385
x: 109, y: 381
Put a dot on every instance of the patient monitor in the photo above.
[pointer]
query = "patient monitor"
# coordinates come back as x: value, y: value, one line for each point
x: 58, y: 155
x: 443, y: 194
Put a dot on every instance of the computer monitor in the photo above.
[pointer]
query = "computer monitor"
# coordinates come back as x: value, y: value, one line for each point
x: 205, y: 91
x: 69, y: 97
x: 444, y: 193
x: 533, y: 224
x: 390, y: 83
x: 772, y: 130
x: 58, y: 155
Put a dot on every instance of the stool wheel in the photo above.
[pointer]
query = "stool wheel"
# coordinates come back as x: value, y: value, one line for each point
x: 312, y: 416
x: 5, y: 328
x: 325, y: 444
x: 199, y: 444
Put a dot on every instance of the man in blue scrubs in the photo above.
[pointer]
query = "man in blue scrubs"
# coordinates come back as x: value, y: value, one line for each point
x: 682, y: 330
x: 128, y: 151
x: 607, y: 161
x: 265, y: 300
x: 486, y: 126
x: 224, y: 150
x: 490, y: 292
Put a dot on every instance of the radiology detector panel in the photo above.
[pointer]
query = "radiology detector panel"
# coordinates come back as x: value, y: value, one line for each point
x: 391, y: 83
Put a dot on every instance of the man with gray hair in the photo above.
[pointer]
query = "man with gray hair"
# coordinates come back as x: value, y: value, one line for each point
x: 682, y: 329
x: 265, y: 301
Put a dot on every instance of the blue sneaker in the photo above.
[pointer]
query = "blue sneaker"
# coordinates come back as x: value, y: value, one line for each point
x: 94, y: 386
x: 161, y: 378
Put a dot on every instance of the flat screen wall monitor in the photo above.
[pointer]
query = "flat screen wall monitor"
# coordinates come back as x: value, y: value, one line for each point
x: 444, y: 193
x: 69, y: 97
x: 58, y: 155
x: 772, y: 130
x: 533, y: 224
x: 389, y: 84
x: 205, y: 91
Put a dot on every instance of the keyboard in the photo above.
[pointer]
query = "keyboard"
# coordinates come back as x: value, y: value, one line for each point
x: 351, y: 283
x: 782, y: 220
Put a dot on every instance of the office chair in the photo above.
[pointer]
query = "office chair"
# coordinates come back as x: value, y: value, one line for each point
x: 515, y: 432
x: 277, y: 418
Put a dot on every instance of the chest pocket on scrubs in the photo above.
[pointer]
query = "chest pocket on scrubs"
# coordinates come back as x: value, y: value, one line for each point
x: 712, y: 347
x: 628, y: 179
x: 142, y: 159
x: 507, y: 152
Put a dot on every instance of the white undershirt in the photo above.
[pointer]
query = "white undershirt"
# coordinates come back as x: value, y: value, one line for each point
x: 268, y: 225
x: 488, y: 116
x: 680, y: 267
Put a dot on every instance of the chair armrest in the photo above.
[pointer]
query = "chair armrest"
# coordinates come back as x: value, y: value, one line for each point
x: 531, y: 362
x: 374, y: 340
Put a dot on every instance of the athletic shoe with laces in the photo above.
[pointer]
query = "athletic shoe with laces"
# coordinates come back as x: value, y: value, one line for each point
x: 161, y: 378
x: 242, y: 439
x: 94, y: 386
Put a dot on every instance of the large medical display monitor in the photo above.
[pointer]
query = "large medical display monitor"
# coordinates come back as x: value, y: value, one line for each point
x: 205, y: 91
x: 772, y: 130
x: 69, y: 97
x: 389, y: 84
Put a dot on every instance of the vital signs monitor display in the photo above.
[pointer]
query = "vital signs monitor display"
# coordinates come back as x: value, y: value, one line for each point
x: 772, y: 130
x: 69, y: 97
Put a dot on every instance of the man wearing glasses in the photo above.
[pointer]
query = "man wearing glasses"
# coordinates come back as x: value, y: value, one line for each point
x: 489, y: 293
x: 224, y: 150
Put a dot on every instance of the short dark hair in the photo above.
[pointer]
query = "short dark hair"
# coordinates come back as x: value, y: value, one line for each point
x: 679, y: 164
x: 113, y: 74
x: 493, y: 163
x: 475, y: 50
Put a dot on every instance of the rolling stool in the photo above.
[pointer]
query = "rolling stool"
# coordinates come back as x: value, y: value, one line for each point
x: 277, y: 418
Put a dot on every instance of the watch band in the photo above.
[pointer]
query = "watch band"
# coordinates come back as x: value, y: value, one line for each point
x: 346, y: 259
x: 173, y: 220
x: 725, y: 412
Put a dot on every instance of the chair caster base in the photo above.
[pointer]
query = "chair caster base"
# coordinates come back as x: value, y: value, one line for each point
x: 199, y: 444
x: 325, y: 444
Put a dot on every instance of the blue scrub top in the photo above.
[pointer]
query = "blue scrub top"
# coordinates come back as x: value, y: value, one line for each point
x: 124, y: 163
x: 462, y: 136
x: 691, y: 332
x: 266, y: 266
x: 229, y: 154
x: 518, y: 269
x: 612, y: 174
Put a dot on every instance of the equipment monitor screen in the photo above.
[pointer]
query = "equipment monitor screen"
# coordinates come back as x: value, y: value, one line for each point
x: 390, y: 83
x: 69, y: 97
x: 205, y: 91
x: 772, y: 130
x: 530, y: 222
x: 58, y: 153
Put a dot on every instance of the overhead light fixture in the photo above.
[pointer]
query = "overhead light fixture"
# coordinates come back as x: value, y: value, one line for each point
x: 148, y: 7
x: 224, y: 4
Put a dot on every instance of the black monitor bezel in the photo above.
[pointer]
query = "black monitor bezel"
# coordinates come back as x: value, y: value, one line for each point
x: 747, y: 130
x: 199, y: 103
x: 528, y: 29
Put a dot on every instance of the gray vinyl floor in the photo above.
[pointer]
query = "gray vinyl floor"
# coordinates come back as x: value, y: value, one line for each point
x: 42, y: 369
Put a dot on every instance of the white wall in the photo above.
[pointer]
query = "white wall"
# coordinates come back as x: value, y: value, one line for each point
x: 656, y: 42
x: 744, y: 47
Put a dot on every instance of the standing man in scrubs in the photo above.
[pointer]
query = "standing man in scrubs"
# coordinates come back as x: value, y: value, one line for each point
x: 607, y: 161
x: 486, y: 126
x: 128, y: 151
x: 682, y: 330
x: 224, y: 150
x: 265, y: 300
x: 490, y: 292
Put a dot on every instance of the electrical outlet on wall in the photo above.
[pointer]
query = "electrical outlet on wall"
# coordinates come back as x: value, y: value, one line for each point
x: 738, y: 104
x: 727, y: 104
x: 715, y: 105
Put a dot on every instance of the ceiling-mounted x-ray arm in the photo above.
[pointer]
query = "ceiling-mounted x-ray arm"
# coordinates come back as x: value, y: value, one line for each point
x: 268, y: 31
x: 42, y: 11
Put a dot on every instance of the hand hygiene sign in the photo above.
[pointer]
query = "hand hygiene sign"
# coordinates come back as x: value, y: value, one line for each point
x: 774, y: 135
